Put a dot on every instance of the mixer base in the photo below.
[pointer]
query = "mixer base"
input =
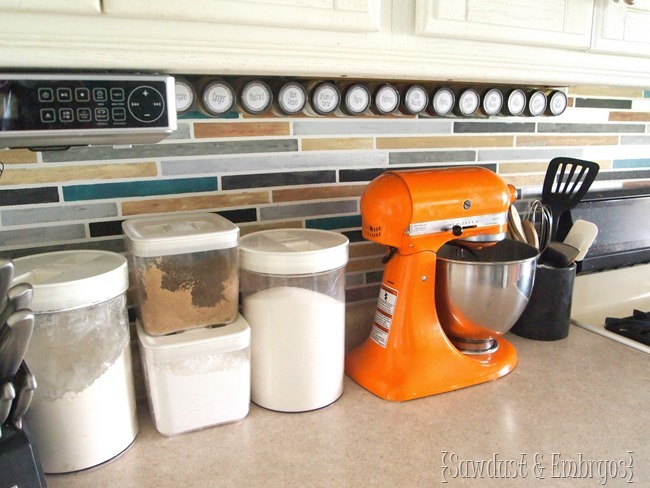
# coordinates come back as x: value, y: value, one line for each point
x: 445, y: 370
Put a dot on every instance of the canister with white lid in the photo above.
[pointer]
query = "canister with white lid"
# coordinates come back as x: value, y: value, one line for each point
x: 83, y: 411
x: 293, y: 298
x: 197, y: 378
x: 186, y: 270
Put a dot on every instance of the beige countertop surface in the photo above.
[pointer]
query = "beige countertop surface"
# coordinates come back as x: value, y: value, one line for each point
x: 573, y: 413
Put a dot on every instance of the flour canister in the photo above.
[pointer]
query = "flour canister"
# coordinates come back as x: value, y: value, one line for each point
x: 83, y: 410
x: 293, y: 297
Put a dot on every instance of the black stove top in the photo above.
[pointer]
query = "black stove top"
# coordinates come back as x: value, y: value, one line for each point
x: 635, y: 327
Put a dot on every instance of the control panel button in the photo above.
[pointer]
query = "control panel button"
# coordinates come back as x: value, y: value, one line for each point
x: 64, y: 95
x: 119, y: 114
x: 100, y: 94
x: 101, y: 114
x: 82, y: 95
x: 45, y: 95
x: 66, y: 115
x: 84, y: 115
x: 48, y: 115
x: 117, y: 94
x: 146, y: 104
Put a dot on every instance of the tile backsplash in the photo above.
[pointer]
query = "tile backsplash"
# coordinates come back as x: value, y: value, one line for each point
x: 271, y: 172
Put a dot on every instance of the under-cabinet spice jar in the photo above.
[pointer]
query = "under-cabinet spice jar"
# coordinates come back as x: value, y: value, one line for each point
x: 218, y: 97
x: 186, y: 270
x: 293, y: 298
x: 442, y: 102
x: 324, y: 98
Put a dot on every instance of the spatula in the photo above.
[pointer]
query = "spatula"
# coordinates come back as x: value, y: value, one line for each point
x: 565, y: 183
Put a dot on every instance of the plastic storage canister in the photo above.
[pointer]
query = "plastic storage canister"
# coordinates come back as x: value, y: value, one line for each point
x: 83, y: 411
x: 186, y: 271
x: 198, y: 378
x: 293, y: 297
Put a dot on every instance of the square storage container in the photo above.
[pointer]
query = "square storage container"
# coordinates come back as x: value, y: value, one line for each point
x: 197, y: 378
x: 186, y: 271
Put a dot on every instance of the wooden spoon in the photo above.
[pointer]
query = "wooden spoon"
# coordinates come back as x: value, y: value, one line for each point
x: 531, y: 234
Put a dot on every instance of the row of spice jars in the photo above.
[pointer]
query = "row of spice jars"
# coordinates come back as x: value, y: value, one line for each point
x: 218, y: 96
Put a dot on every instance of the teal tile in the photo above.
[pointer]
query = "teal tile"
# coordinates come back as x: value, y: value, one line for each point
x: 646, y: 93
x: 196, y: 114
x: 138, y: 189
x: 334, y: 223
x: 632, y: 163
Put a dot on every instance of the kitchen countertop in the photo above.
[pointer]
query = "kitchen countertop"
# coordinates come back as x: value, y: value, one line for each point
x: 576, y: 403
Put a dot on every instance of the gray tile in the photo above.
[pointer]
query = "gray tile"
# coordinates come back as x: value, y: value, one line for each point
x: 308, y: 210
x: 641, y: 140
x: 58, y: 213
x: 241, y: 164
x: 590, y: 128
x: 420, y: 157
x: 370, y: 127
x: 182, y: 132
x: 354, y: 279
x: 38, y: 235
x: 175, y: 149
x: 603, y: 103
x: 525, y: 154
x: 492, y: 127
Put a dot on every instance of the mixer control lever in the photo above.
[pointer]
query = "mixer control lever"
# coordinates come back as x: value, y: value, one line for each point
x: 457, y: 230
x: 391, y: 252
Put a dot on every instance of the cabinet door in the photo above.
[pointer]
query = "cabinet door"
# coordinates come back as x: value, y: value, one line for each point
x: 621, y: 28
x: 49, y: 6
x: 559, y: 23
x: 329, y: 15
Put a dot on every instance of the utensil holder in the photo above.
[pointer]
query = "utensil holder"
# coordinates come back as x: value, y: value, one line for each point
x: 548, y: 312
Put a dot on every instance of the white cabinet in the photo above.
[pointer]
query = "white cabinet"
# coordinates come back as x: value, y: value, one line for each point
x: 540, y: 42
x: 329, y: 15
x: 622, y: 28
x: 563, y: 23
x: 49, y: 6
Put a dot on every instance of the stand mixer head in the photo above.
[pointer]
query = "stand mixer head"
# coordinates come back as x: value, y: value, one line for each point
x: 419, y: 214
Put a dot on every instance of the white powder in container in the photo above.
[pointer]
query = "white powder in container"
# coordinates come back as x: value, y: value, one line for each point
x: 298, y: 348
x: 199, y: 392
x: 197, y: 378
x: 80, y: 430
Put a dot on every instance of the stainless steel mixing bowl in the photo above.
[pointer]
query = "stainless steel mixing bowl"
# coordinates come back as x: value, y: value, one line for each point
x: 480, y: 293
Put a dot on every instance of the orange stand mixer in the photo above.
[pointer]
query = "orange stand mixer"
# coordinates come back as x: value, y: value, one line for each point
x: 408, y: 354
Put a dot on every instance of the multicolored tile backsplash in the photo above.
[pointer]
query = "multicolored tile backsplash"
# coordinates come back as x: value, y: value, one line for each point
x: 270, y: 172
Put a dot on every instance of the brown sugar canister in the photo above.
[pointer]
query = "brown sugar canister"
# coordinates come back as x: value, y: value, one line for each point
x: 186, y: 271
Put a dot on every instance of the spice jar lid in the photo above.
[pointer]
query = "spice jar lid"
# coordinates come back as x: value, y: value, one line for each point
x: 67, y: 280
x: 293, y: 251
x: 179, y: 234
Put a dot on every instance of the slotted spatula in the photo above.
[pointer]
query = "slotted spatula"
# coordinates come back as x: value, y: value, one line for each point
x: 565, y: 183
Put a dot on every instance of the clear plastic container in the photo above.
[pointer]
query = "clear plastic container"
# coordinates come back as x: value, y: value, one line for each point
x: 293, y: 297
x: 198, y: 378
x: 186, y: 271
x: 83, y: 410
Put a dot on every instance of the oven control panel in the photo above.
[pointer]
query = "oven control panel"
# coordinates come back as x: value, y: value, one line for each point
x: 46, y: 109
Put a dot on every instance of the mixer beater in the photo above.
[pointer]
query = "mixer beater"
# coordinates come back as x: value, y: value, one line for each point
x: 411, y: 352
